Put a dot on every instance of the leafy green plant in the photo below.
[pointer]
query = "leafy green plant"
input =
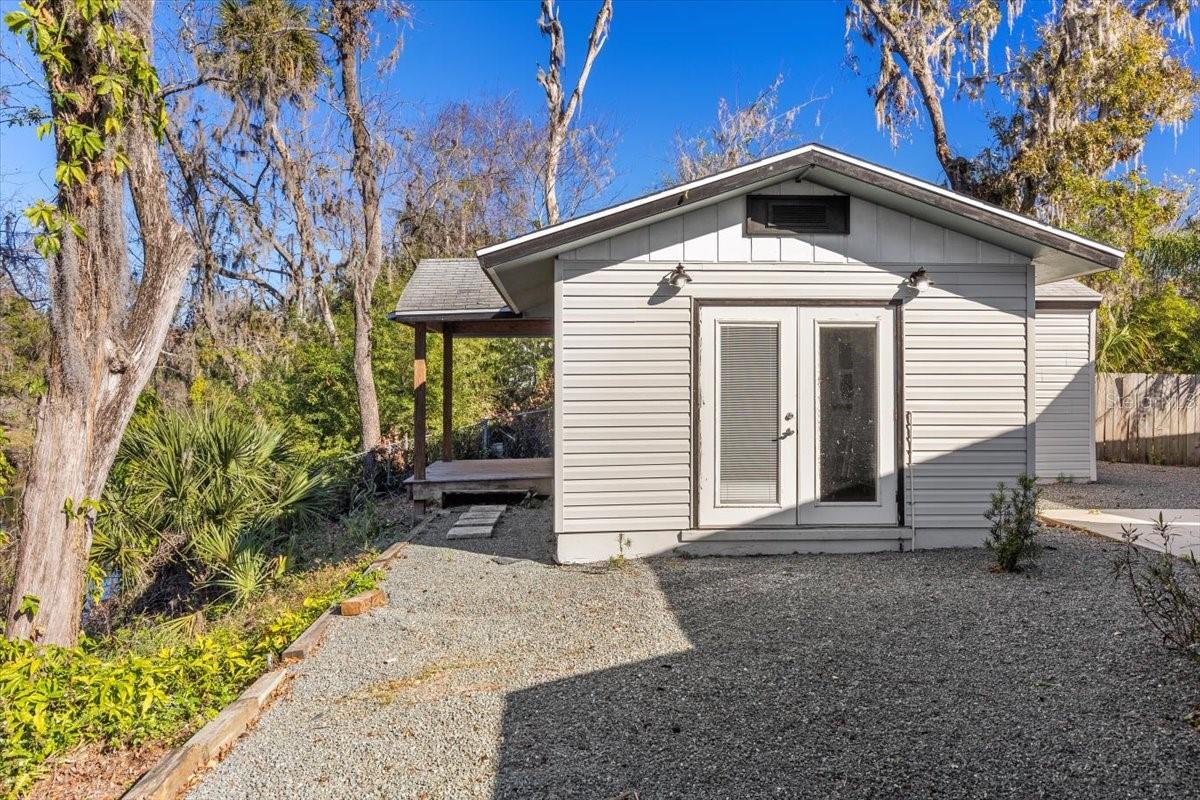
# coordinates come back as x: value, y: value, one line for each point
x: 1013, y: 514
x: 209, y: 491
x: 29, y: 605
x: 53, y: 698
x: 364, y: 523
x: 1166, y: 587
x: 87, y: 122
x: 244, y: 575
x: 1121, y: 344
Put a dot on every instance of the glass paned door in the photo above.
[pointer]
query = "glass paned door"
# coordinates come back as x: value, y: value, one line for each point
x: 847, y: 409
x: 847, y: 462
x: 796, y: 417
x: 748, y: 410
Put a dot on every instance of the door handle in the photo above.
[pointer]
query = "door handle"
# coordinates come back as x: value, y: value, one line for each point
x: 784, y: 435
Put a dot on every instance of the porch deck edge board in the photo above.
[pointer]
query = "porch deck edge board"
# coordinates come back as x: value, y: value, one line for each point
x: 484, y: 475
x: 497, y: 469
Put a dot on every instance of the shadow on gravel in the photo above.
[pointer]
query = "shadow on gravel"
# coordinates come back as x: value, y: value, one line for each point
x: 882, y: 676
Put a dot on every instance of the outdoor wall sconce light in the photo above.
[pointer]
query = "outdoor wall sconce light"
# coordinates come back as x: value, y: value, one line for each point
x: 920, y: 280
x: 678, y: 276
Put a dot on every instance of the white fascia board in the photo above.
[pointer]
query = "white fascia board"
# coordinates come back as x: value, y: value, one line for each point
x: 989, y: 208
x: 684, y: 188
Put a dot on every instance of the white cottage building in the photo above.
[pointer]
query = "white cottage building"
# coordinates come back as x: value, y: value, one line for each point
x: 809, y: 353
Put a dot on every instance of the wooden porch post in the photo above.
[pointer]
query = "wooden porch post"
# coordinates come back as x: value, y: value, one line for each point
x: 447, y: 392
x: 419, y: 401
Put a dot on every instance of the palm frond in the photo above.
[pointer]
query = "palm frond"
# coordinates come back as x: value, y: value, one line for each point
x: 225, y: 484
x: 248, y: 574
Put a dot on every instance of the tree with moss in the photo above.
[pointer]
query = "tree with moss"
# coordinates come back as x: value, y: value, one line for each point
x: 266, y: 57
x: 1100, y: 76
x: 1072, y: 108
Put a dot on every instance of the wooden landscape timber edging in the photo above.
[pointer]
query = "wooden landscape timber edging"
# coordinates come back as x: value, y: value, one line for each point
x: 173, y: 773
x: 170, y: 776
x: 1148, y: 418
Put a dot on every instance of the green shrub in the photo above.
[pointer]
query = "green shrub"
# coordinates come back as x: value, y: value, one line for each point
x: 208, y: 490
x: 55, y: 698
x: 1013, y: 514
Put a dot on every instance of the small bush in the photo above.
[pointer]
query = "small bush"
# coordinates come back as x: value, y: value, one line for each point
x: 364, y: 523
x: 1166, y: 587
x: 619, y: 561
x: 1013, y: 514
x: 208, y: 494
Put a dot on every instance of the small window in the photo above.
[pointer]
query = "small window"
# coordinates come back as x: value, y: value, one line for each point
x: 784, y: 215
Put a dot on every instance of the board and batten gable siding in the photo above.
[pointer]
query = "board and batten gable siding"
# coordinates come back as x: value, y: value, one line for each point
x: 624, y: 358
x: 1066, y: 381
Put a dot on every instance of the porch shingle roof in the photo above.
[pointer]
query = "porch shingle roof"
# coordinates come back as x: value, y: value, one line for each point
x: 440, y: 285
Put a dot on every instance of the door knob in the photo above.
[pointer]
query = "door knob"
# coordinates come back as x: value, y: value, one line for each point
x: 784, y: 435
x: 788, y: 415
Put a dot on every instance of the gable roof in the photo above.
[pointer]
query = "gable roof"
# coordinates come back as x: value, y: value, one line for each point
x: 455, y: 287
x: 1055, y: 252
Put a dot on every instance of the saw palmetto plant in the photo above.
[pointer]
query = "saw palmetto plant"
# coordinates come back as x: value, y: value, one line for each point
x: 208, y: 493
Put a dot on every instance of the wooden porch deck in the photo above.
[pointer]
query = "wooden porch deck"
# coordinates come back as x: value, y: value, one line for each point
x: 484, y: 475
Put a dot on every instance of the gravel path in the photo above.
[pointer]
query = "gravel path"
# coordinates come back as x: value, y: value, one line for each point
x: 891, y: 675
x: 1129, y: 486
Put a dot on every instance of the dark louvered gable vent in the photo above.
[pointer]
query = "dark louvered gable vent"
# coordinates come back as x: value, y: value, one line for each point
x: 807, y: 215
x: 786, y: 215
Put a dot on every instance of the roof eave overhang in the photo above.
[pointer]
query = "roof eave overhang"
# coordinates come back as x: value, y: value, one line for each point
x: 616, y: 220
x: 1085, y: 255
x: 450, y: 315
x: 1068, y: 303
x: 499, y: 286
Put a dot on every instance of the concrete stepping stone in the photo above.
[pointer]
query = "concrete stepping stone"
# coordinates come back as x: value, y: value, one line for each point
x: 471, y: 518
x: 470, y: 532
x: 477, y: 522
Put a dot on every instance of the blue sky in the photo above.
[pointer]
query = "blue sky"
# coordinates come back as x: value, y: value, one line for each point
x: 661, y: 73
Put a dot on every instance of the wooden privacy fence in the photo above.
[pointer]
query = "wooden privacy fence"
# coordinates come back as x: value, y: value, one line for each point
x: 1147, y: 418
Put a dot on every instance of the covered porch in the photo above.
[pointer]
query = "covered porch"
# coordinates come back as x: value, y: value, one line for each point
x: 455, y: 299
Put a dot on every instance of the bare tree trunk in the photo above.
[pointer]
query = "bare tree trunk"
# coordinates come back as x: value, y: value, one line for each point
x: 558, y: 138
x: 106, y: 335
x: 561, y: 113
x: 350, y: 37
x: 293, y: 187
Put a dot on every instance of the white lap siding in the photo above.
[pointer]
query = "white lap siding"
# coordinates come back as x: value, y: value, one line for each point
x: 1065, y: 392
x: 625, y: 358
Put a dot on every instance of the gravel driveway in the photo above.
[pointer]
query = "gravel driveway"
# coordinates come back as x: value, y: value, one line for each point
x: 892, y: 675
x: 1129, y: 486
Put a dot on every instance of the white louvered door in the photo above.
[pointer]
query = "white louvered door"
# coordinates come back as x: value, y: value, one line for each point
x: 796, y: 416
x: 747, y: 415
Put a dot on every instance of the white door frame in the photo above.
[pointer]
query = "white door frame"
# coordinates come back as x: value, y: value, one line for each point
x: 798, y: 502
